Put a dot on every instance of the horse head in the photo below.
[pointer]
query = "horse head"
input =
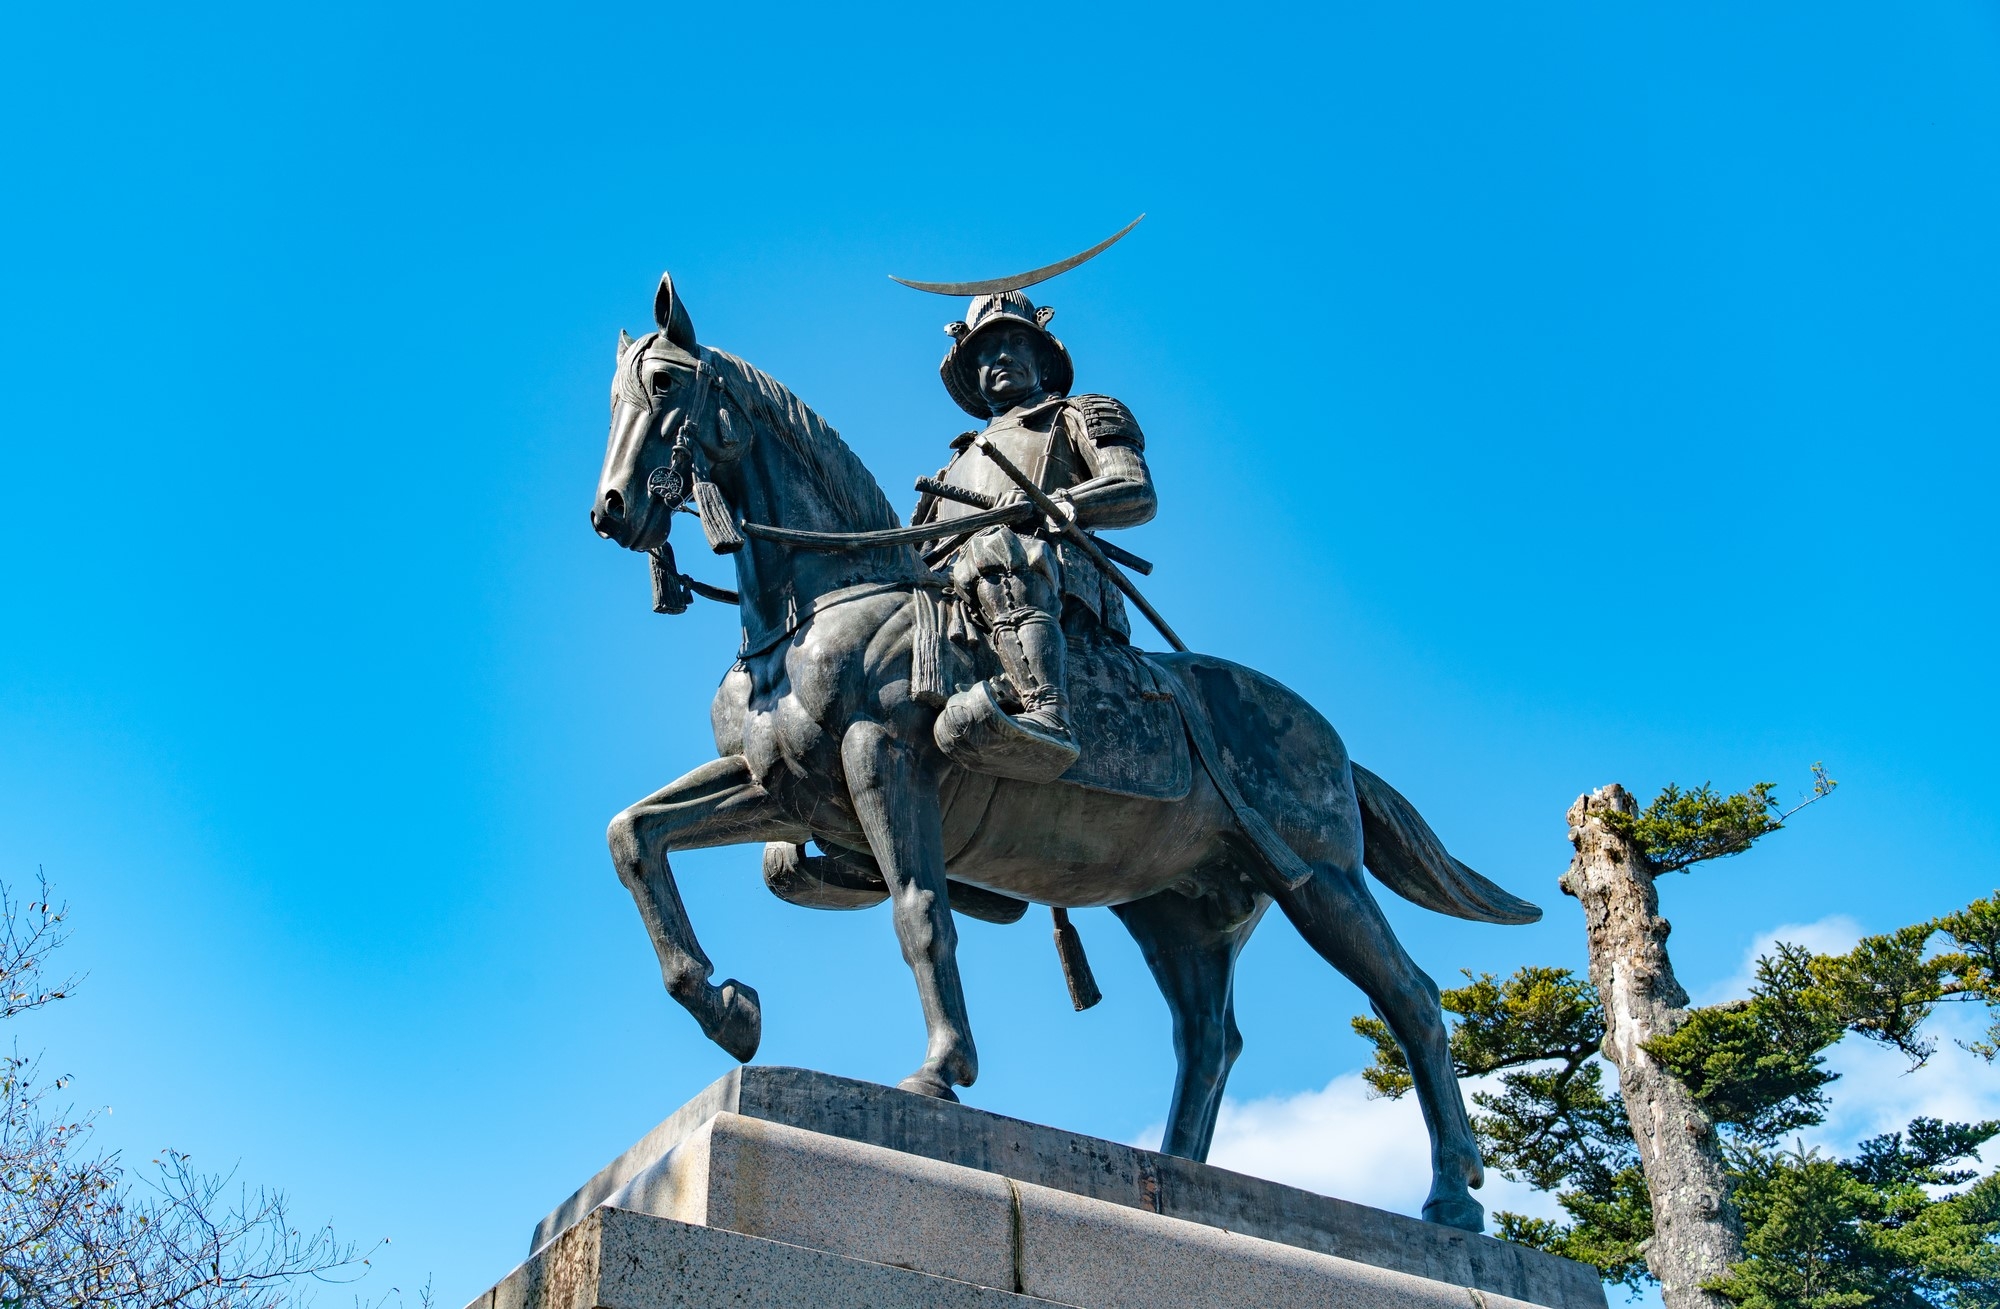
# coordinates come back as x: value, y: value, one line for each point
x: 670, y: 426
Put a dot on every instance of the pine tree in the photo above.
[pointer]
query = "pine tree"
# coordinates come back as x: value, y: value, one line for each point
x: 1702, y: 1199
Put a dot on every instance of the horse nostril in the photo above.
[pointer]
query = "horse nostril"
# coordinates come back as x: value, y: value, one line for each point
x: 614, y: 504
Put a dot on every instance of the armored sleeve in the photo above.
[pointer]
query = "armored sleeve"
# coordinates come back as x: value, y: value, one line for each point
x: 1106, y: 422
x: 1117, y: 487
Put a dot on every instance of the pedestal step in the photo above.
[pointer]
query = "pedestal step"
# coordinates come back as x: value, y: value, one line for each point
x: 814, y: 1179
x: 619, y: 1260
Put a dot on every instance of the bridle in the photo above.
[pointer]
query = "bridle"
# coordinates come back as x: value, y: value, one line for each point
x: 686, y: 476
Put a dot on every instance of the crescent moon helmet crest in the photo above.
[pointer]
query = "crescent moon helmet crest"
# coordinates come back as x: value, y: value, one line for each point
x: 1002, y: 285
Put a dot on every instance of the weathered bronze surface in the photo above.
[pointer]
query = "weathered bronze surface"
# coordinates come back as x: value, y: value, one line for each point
x: 952, y: 713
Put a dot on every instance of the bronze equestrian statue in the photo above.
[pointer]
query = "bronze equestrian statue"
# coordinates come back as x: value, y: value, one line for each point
x: 1027, y: 593
x: 982, y: 737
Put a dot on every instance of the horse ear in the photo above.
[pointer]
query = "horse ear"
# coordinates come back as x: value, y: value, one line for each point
x: 624, y: 342
x: 672, y: 315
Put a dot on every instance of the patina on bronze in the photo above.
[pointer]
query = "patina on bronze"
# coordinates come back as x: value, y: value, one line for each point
x: 1203, y: 792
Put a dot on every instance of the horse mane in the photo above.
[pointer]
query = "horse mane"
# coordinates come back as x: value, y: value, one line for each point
x: 850, y: 488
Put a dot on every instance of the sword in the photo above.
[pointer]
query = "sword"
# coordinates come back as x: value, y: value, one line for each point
x: 945, y: 491
x: 1078, y: 537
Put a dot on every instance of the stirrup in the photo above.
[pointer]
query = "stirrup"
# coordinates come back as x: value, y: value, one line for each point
x: 976, y: 733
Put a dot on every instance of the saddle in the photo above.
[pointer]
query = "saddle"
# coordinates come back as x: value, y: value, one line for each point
x: 1127, y: 723
x: 1133, y: 739
x: 1134, y: 743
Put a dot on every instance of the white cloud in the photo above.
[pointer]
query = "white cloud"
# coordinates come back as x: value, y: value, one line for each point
x: 1834, y: 934
x: 1878, y: 1093
x: 1337, y: 1141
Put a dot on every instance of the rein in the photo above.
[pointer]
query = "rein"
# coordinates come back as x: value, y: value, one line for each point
x: 685, y: 476
x: 761, y: 642
x: 912, y: 535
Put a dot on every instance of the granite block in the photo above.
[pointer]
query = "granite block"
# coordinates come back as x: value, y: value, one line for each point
x: 619, y: 1260
x: 1107, y: 1171
x: 866, y: 1202
x: 1106, y: 1256
x: 805, y: 1188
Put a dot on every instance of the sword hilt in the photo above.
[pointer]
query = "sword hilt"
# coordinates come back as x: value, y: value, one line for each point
x: 931, y: 486
x: 1068, y: 527
x: 946, y: 491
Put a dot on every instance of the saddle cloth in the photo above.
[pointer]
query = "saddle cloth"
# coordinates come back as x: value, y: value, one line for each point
x: 1127, y: 724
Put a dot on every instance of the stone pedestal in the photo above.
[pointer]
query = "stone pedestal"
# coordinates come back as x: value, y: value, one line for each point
x: 779, y: 1187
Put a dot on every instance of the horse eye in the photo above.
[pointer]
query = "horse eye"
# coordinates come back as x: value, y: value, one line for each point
x: 663, y: 382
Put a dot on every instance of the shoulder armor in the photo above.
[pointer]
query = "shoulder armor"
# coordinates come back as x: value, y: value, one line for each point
x: 1107, y: 422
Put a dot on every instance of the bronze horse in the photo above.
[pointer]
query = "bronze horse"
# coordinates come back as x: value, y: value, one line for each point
x: 819, y: 736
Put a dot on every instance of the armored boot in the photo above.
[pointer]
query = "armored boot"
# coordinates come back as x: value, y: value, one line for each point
x: 1030, y: 643
x: 1035, y: 742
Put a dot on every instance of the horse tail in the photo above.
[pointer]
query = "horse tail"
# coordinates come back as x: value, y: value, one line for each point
x: 1405, y: 855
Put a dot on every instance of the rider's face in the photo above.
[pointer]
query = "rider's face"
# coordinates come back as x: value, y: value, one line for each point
x: 1008, y: 364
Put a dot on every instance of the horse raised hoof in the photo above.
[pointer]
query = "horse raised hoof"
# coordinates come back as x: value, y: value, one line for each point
x: 977, y: 734
x: 925, y: 1082
x: 739, y: 1027
x: 1460, y: 1211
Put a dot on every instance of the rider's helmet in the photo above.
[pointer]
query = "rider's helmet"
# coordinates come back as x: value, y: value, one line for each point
x: 989, y: 312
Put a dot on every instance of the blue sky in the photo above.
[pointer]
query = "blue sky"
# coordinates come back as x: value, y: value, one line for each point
x: 1554, y: 394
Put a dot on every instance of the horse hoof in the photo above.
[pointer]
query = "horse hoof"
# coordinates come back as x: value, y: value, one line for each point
x: 1460, y: 1211
x: 930, y: 1084
x: 741, y: 1026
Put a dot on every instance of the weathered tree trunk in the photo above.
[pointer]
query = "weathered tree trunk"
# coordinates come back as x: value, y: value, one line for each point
x: 1696, y: 1233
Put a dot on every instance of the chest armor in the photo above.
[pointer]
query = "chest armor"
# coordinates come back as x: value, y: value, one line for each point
x: 1028, y: 446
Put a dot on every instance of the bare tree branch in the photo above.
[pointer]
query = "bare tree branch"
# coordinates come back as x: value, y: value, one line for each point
x: 28, y: 935
x: 77, y: 1232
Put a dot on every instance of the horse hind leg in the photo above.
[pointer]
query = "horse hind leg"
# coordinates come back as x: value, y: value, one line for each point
x: 1191, y: 945
x: 1340, y: 919
x: 716, y: 804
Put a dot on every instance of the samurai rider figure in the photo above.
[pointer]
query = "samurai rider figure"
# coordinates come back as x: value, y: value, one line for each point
x: 1023, y: 590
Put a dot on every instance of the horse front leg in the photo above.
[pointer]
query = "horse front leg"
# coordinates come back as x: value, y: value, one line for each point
x: 896, y: 801
x: 716, y: 804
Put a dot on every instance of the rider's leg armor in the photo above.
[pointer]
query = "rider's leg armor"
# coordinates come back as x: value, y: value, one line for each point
x: 1011, y: 581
